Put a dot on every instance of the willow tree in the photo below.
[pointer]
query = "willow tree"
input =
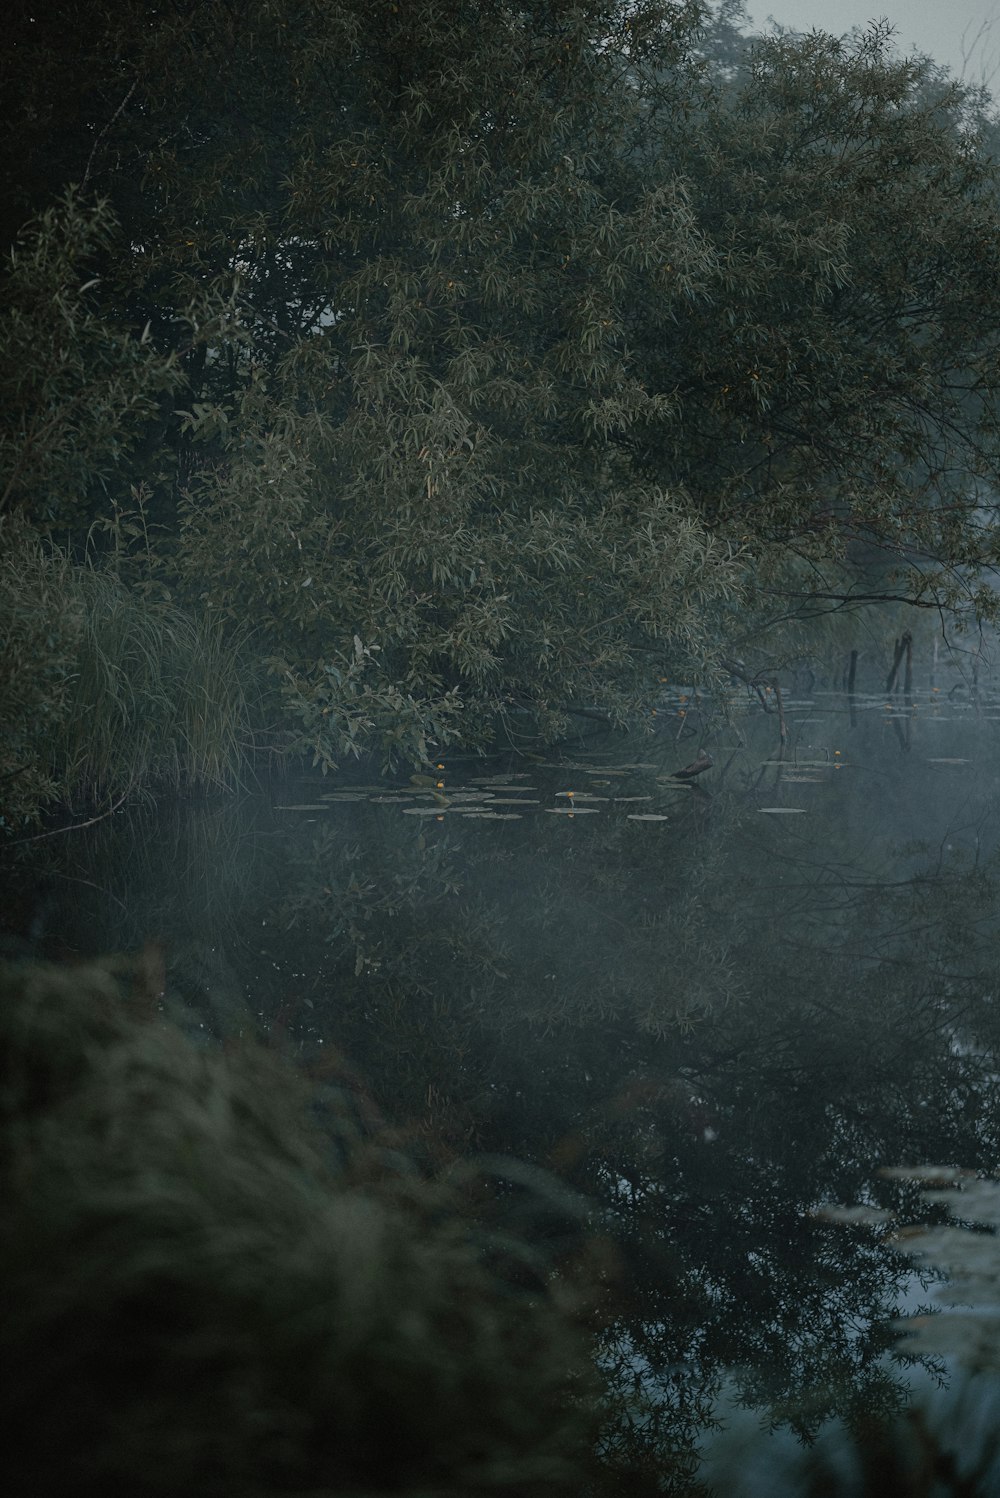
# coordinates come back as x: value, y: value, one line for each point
x: 530, y: 353
x: 395, y: 459
x: 835, y: 393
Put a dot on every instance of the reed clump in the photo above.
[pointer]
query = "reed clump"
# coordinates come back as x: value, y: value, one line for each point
x: 107, y: 688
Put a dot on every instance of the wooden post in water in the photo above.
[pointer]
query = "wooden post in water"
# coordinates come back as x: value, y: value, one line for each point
x: 905, y: 639
x: 908, y: 674
x: 782, y: 725
x: 852, y: 672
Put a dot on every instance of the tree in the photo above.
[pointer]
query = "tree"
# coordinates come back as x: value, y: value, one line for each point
x: 550, y: 353
x: 834, y: 394
x: 78, y: 389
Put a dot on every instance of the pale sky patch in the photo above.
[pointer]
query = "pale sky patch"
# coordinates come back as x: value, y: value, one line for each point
x: 964, y: 35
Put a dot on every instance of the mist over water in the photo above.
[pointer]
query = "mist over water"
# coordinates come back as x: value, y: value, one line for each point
x: 709, y: 1005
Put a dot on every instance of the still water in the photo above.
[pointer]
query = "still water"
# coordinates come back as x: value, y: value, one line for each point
x: 708, y: 1005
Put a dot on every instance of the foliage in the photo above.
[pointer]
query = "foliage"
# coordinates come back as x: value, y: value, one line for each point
x: 437, y: 432
x: 833, y: 388
x: 546, y: 352
x: 109, y: 689
x: 969, y: 1258
x: 159, y: 695
x: 76, y: 388
x: 210, y: 1294
x: 40, y: 629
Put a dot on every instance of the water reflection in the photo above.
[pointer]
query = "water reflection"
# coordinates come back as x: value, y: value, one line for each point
x: 708, y: 1017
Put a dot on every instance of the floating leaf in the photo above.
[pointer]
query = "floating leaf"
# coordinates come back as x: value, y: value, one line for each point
x: 313, y: 807
x: 492, y: 816
x: 569, y: 811
x: 498, y: 781
x: 646, y: 816
x: 353, y: 790
x: 799, y: 764
x: 517, y: 801
x: 781, y: 811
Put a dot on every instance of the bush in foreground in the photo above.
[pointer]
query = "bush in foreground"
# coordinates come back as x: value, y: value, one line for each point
x: 209, y: 1295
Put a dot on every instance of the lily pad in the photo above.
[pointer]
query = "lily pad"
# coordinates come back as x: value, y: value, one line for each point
x: 497, y: 781
x: 492, y: 816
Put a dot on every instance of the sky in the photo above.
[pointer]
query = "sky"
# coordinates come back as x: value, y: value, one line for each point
x: 963, y: 34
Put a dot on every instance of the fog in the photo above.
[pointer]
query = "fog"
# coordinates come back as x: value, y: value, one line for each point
x: 712, y: 1004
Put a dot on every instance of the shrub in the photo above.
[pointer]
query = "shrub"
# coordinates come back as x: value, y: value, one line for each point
x: 209, y: 1296
x: 107, y: 688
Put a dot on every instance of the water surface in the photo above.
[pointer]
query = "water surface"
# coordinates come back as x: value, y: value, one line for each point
x: 710, y: 1005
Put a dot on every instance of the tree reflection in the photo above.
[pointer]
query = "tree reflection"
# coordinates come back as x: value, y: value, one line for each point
x: 706, y: 1028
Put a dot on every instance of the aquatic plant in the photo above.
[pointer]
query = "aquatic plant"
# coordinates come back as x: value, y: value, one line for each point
x: 946, y: 1444
x: 107, y: 689
x: 160, y: 693
x: 210, y: 1294
x: 39, y: 629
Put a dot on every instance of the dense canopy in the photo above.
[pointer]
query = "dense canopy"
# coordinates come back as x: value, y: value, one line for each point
x: 489, y: 364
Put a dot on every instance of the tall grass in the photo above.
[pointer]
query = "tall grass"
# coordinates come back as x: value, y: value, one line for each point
x: 159, y: 695
x: 109, y: 689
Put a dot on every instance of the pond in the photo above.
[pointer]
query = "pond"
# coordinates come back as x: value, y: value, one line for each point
x: 709, y: 1004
